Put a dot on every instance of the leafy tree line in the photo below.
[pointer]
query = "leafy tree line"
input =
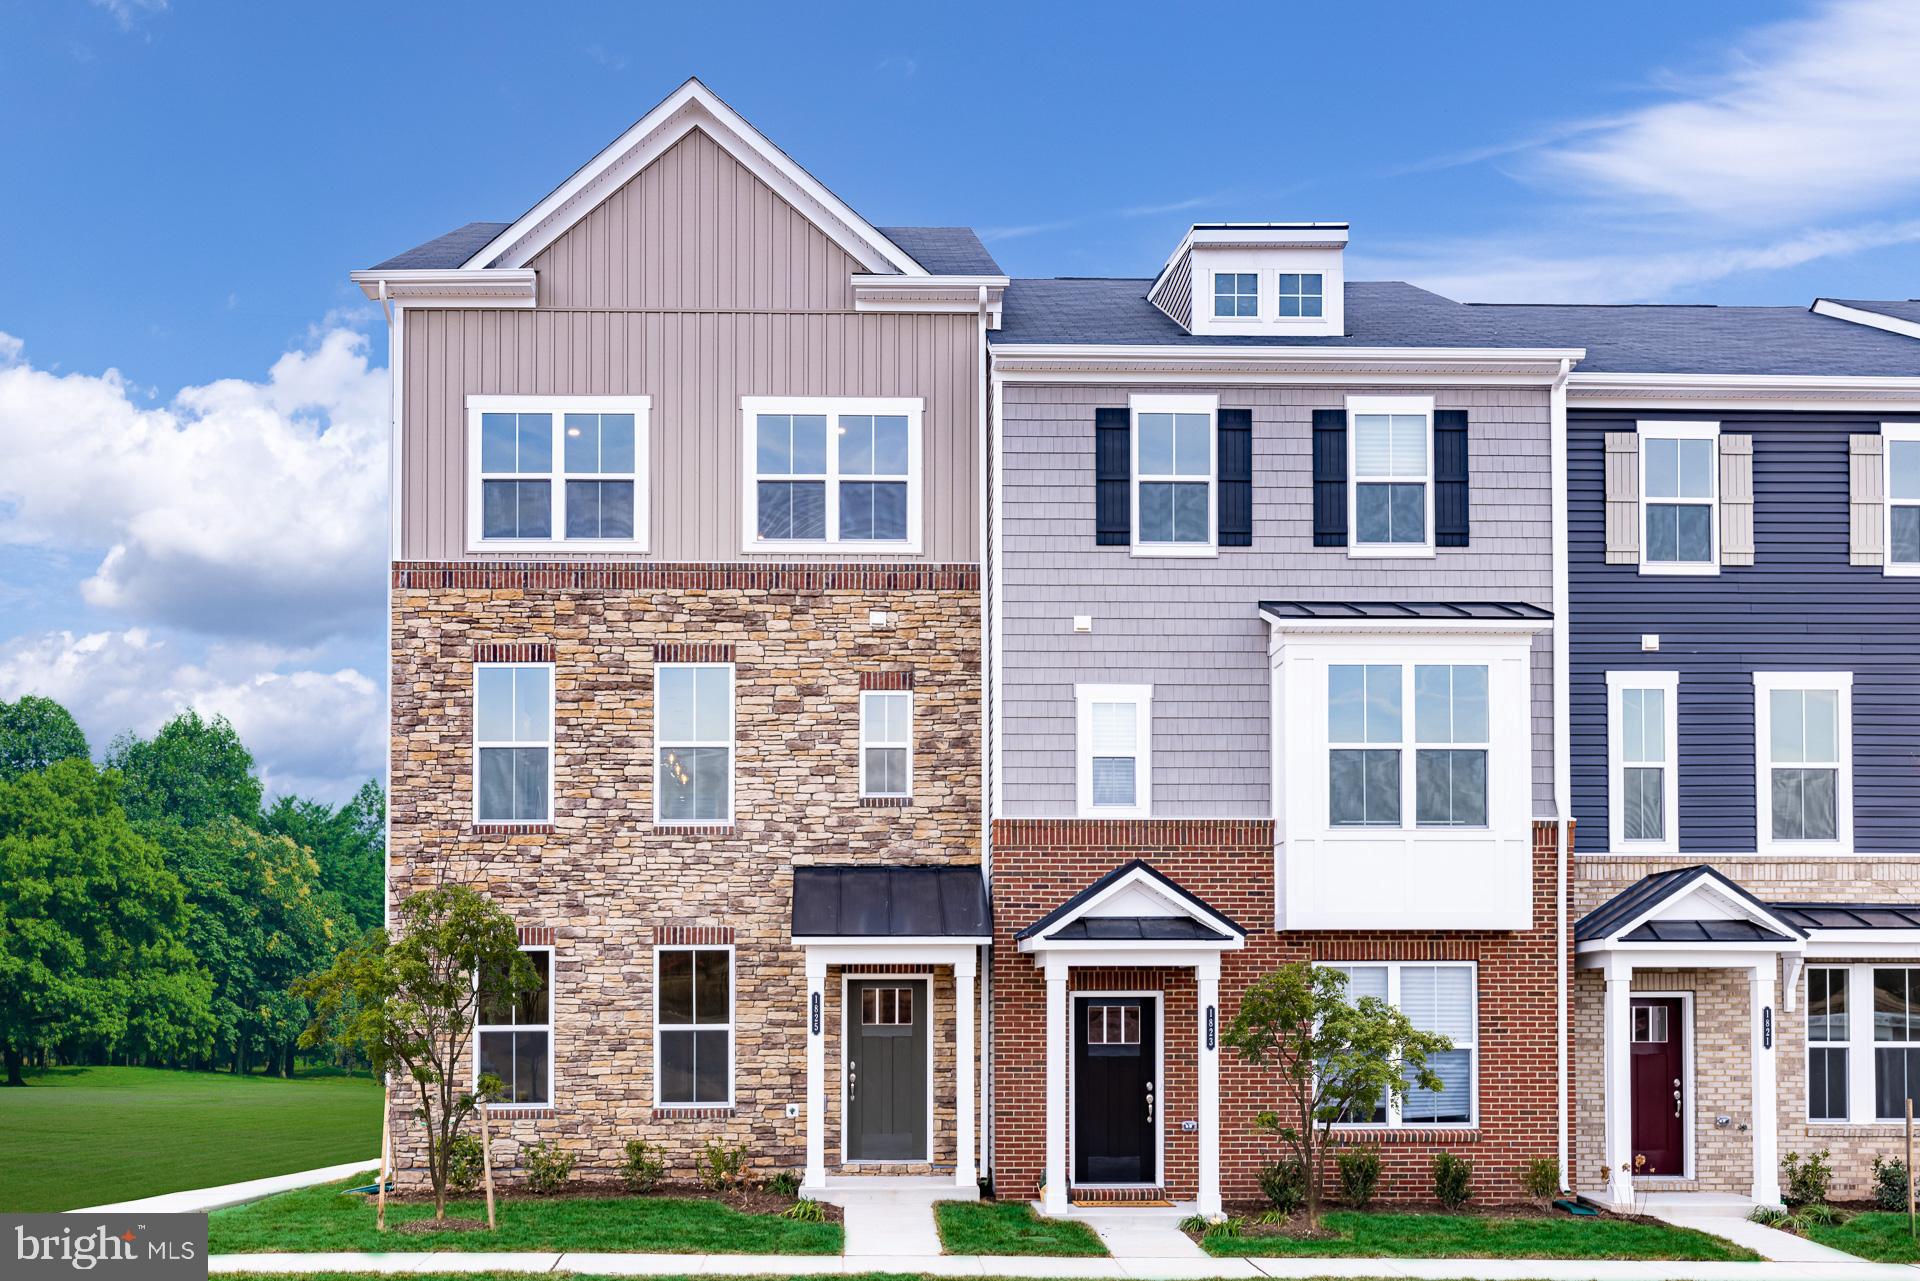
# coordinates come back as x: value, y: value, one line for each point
x: 153, y: 910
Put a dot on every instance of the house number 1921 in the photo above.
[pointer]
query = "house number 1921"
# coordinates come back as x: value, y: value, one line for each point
x: 1766, y: 1027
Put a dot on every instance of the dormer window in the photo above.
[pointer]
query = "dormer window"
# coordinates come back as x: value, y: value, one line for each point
x: 1300, y: 294
x: 1236, y: 295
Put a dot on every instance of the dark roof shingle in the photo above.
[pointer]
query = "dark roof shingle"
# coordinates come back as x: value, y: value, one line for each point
x: 944, y: 251
x: 447, y: 251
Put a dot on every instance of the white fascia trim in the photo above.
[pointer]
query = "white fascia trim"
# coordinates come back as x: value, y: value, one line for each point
x: 1760, y: 916
x: 456, y: 287
x: 1861, y: 316
x: 1864, y: 945
x: 1807, y: 392
x: 1406, y: 627
x: 692, y: 105
x: 1265, y: 235
x: 1154, y: 885
x: 1174, y: 364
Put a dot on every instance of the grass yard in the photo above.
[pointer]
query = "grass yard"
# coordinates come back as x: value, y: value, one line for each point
x: 89, y: 1136
x: 1389, y: 1235
x: 1011, y: 1227
x: 328, y: 1218
x: 1874, y: 1234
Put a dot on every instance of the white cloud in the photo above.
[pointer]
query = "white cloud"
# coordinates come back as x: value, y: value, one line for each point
x: 241, y: 509
x: 1808, y: 119
x: 129, y: 12
x: 317, y: 733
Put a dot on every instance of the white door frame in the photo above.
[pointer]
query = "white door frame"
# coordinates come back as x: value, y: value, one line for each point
x: 1159, y: 1087
x: 846, y: 1039
x: 1687, y: 1078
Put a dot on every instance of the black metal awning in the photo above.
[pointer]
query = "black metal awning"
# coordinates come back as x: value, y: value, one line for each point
x: 890, y: 902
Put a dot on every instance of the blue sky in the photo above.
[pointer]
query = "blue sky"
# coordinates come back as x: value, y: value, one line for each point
x: 192, y: 182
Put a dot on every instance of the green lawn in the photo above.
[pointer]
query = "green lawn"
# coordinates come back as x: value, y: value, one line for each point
x: 1875, y: 1235
x: 1462, y: 1236
x: 1010, y: 1227
x: 88, y: 1136
x: 327, y: 1218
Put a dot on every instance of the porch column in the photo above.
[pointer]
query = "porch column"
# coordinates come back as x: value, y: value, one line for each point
x: 1054, y: 1197
x: 816, y: 1176
x: 1766, y: 1136
x: 963, y: 1073
x: 1617, y: 1046
x: 1207, y: 980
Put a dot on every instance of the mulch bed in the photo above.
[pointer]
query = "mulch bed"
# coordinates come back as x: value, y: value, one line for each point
x: 753, y: 1200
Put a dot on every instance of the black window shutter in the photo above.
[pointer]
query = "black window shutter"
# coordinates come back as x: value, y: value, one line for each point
x: 1450, y: 485
x: 1235, y: 486
x: 1112, y: 478
x: 1329, y: 478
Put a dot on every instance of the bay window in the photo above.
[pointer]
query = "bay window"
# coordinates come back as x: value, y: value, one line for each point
x: 1368, y: 783
x: 1863, y: 1042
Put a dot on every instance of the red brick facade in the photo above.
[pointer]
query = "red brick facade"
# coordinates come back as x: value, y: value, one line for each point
x: 1039, y: 863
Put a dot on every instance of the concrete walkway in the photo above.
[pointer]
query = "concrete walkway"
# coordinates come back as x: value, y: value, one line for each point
x: 966, y: 1265
x: 203, y: 1199
x: 1725, y: 1215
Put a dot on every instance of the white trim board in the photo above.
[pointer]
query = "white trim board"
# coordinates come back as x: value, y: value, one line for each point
x: 691, y: 106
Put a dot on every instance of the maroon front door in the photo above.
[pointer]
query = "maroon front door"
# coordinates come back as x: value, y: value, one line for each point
x: 1659, y: 1088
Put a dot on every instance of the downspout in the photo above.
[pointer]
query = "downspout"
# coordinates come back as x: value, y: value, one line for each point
x: 1562, y: 739
x: 983, y: 1125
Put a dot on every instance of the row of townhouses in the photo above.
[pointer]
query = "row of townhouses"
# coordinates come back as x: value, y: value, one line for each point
x: 902, y: 706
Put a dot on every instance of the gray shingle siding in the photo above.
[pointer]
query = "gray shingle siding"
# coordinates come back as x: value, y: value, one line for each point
x: 1191, y: 628
x: 1800, y: 606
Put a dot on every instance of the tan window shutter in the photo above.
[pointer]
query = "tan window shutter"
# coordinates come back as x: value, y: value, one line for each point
x: 1623, y: 498
x: 1867, y: 492
x: 1736, y: 500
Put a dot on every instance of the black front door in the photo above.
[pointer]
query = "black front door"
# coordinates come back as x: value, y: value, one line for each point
x: 887, y: 1070
x: 1116, y: 1100
x: 1659, y: 1092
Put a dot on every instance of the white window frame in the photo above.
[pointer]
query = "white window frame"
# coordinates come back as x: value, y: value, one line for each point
x: 552, y: 1058
x: 1618, y: 683
x: 1208, y: 405
x: 866, y: 695
x: 1394, y: 1120
x: 477, y: 743
x: 1356, y: 406
x: 1764, y: 685
x: 1665, y: 429
x: 1280, y: 319
x: 1850, y: 1044
x: 912, y: 408
x: 1408, y: 745
x: 731, y: 743
x: 1141, y: 696
x: 1258, y: 292
x: 1862, y: 1075
x: 1906, y: 433
x: 733, y: 1012
x: 641, y: 407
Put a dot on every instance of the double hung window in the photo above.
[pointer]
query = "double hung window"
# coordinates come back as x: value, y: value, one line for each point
x: 1804, y: 728
x: 515, y: 1034
x: 1828, y: 1034
x: 557, y: 471
x: 693, y: 733
x: 513, y: 743
x: 832, y: 473
x: 886, y: 743
x: 1642, y: 743
x: 1901, y: 442
x: 693, y: 1026
x: 1173, y: 474
x: 1115, y: 734
x: 1390, y: 485
x: 1679, y: 496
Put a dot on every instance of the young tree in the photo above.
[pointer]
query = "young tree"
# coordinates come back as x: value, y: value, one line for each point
x: 1335, y: 1058
x: 91, y: 923
x: 408, y: 1003
x: 34, y: 733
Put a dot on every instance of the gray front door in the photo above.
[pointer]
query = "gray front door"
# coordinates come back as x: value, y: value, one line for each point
x: 887, y: 1070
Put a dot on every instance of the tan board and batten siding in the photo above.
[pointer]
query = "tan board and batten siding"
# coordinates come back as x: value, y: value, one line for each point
x: 695, y: 284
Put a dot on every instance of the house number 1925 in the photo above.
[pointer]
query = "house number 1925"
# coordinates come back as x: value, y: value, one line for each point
x: 813, y: 1015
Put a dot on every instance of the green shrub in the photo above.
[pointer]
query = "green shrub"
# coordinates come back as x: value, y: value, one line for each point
x: 1452, y: 1179
x: 1819, y: 1214
x: 643, y: 1168
x: 1194, y: 1223
x: 1807, y: 1178
x: 466, y: 1164
x: 548, y: 1167
x: 1542, y: 1179
x: 721, y: 1167
x: 1890, y: 1184
x: 1274, y: 1218
x: 1359, y: 1175
x: 1771, y: 1216
x: 1284, y: 1183
x: 785, y: 1183
x: 805, y: 1210
x: 1228, y: 1227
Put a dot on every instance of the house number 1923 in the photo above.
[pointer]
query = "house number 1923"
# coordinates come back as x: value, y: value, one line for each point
x: 1210, y: 1027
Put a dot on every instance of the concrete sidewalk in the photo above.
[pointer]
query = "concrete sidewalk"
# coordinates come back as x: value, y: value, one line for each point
x: 967, y: 1265
x: 204, y: 1199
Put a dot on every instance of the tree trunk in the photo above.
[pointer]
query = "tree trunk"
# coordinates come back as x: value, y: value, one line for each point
x: 13, y: 1067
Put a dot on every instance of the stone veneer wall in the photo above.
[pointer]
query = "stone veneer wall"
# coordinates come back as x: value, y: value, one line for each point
x: 1723, y: 1158
x: 604, y: 880
x: 1039, y: 863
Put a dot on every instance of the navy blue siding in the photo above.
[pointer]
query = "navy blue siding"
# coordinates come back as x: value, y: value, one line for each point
x: 1801, y: 606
